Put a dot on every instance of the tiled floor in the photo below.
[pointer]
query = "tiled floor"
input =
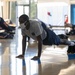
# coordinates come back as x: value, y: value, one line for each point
x: 54, y: 60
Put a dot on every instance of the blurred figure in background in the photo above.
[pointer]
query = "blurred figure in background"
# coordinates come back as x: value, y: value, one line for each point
x: 5, y: 26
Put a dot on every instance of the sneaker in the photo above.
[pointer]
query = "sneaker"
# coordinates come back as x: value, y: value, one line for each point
x: 71, y: 49
x: 72, y: 44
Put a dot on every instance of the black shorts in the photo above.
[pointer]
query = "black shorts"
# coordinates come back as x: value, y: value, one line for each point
x: 51, y: 39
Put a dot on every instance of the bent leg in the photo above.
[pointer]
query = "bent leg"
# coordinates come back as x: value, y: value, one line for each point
x: 66, y: 42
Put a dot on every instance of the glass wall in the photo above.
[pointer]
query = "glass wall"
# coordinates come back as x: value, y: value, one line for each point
x: 28, y: 7
x: 12, y: 12
x: 33, y: 9
x: 22, y: 7
x: 32, y: 5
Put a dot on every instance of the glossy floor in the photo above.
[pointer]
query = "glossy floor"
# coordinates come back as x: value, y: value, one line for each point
x: 54, y: 59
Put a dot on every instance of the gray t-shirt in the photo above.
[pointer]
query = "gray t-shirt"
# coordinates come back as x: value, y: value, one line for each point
x: 35, y: 30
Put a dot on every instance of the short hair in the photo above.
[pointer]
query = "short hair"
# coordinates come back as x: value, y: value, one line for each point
x: 23, y: 18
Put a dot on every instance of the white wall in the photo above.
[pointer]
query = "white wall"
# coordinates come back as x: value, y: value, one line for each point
x: 57, y: 10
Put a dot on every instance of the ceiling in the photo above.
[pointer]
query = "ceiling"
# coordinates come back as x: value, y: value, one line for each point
x: 39, y: 1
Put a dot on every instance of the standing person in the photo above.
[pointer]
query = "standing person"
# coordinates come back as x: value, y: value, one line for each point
x: 5, y: 26
x: 37, y: 30
x: 68, y: 24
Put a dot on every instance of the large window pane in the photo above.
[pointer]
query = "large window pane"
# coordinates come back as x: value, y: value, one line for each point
x: 13, y: 11
x: 33, y: 9
x: 26, y: 10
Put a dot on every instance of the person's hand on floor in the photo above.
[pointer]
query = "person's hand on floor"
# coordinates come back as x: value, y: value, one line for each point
x: 35, y: 58
x: 20, y: 56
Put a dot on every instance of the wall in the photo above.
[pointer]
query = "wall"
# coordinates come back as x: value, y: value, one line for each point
x: 52, y: 12
x: 5, y: 10
x: 0, y: 9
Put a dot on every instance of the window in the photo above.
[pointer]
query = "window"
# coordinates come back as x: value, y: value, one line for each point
x: 12, y: 12
x: 33, y: 9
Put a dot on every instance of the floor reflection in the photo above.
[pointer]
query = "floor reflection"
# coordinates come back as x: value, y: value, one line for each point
x: 54, y: 59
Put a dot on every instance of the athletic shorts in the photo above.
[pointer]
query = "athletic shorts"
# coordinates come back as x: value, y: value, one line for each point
x: 51, y: 39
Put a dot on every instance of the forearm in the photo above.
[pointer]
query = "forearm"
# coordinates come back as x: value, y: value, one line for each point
x: 23, y: 45
x: 39, y: 48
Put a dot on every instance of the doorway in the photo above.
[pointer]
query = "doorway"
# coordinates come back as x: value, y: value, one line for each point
x: 21, y: 9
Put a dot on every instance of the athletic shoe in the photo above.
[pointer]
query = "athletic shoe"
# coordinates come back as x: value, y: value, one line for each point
x: 72, y: 43
x: 71, y: 49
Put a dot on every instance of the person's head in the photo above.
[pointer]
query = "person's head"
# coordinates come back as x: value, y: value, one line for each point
x: 24, y: 21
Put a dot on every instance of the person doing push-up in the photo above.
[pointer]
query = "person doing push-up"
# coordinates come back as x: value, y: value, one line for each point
x: 37, y: 30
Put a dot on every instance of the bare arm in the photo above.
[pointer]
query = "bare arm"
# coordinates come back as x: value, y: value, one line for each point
x: 23, y: 47
x: 39, y: 45
x: 39, y: 48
